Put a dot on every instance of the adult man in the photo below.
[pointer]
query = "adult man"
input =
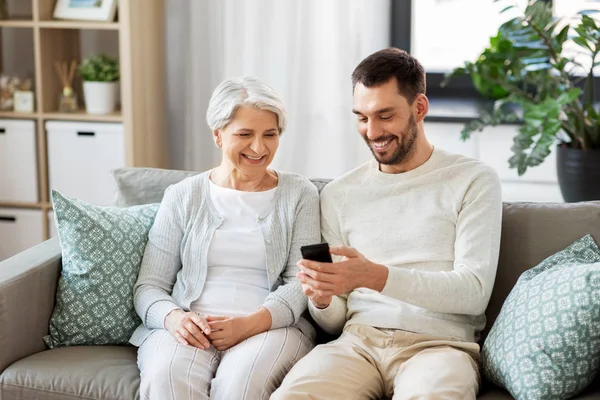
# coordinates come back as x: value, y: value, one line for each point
x: 415, y: 235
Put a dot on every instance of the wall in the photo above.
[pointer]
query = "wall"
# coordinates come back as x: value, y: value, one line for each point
x: 491, y: 146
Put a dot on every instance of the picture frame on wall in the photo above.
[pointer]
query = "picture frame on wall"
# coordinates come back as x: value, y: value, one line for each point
x: 88, y: 10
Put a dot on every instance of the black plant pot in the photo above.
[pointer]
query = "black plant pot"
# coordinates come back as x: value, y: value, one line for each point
x: 578, y: 174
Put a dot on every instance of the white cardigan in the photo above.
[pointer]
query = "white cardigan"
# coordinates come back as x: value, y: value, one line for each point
x: 174, y: 266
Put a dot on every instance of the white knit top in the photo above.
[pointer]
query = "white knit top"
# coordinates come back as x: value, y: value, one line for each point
x: 236, y: 281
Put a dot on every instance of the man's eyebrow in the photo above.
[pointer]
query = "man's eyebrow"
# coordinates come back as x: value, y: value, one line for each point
x: 380, y: 111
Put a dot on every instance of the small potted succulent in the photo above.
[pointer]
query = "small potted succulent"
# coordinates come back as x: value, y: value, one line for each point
x: 100, y: 75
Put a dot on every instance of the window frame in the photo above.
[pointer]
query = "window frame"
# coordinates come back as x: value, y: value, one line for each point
x: 461, y: 87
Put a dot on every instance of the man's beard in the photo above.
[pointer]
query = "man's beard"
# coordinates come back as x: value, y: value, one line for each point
x: 405, y: 144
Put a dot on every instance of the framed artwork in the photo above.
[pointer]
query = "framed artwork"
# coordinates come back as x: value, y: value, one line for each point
x: 89, y: 10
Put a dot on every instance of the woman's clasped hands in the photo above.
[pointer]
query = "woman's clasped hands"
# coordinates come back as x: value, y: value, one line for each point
x: 190, y: 328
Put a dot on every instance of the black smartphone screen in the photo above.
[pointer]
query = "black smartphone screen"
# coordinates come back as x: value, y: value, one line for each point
x: 316, y: 252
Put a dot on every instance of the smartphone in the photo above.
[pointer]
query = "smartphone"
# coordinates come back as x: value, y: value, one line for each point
x: 316, y: 252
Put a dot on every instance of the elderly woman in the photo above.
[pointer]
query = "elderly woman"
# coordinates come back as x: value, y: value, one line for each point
x: 217, y: 291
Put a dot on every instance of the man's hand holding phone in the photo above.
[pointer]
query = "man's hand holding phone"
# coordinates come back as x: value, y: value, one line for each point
x: 317, y: 254
x: 322, y: 279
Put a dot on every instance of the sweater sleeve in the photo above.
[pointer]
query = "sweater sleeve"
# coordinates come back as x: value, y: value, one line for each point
x: 287, y: 303
x: 467, y: 288
x: 161, y: 263
x: 332, y: 318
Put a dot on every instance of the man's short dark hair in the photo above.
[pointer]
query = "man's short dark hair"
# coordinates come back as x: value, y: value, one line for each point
x: 383, y: 65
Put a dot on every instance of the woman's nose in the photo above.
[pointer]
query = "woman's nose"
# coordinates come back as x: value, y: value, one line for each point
x: 257, y: 145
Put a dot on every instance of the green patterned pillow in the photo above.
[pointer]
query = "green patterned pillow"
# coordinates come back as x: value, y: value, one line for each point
x: 102, y: 249
x: 545, y: 343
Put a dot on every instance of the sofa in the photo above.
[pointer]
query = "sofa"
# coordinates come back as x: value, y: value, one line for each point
x: 28, y: 282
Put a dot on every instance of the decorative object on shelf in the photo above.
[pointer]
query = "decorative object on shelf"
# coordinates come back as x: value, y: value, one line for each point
x: 68, y: 98
x: 100, y: 76
x: 24, y: 101
x: 90, y: 10
x: 527, y: 64
x: 8, y: 86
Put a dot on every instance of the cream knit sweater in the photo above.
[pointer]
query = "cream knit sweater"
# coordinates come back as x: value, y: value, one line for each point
x: 436, y: 228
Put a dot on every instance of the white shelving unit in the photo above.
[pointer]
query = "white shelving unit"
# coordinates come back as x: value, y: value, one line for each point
x: 34, y: 159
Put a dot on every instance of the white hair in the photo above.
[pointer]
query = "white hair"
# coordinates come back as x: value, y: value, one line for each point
x: 234, y: 93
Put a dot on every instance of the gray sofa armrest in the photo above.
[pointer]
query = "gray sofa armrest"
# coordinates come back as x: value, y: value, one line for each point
x: 27, y: 292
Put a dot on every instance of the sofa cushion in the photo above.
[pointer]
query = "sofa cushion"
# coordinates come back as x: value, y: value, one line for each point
x: 494, y: 394
x: 530, y: 233
x: 89, y: 372
x: 137, y: 186
x: 490, y: 392
x: 545, y: 343
x: 102, y: 250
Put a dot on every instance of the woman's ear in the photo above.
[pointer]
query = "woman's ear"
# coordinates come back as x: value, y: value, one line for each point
x: 217, y: 138
x: 421, y: 107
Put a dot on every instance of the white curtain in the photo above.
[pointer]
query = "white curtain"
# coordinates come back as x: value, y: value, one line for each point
x: 305, y: 49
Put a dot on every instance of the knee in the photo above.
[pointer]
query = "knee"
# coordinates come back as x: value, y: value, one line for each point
x: 156, y: 373
x: 285, y: 392
x: 292, y: 385
x: 438, y: 374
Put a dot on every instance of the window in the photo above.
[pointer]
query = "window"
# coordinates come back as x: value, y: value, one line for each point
x: 443, y: 34
x: 569, y: 9
x: 446, y: 33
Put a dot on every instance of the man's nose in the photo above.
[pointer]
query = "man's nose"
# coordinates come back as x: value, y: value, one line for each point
x: 374, y: 130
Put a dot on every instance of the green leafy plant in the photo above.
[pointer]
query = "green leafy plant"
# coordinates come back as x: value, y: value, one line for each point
x: 530, y: 79
x: 100, y: 68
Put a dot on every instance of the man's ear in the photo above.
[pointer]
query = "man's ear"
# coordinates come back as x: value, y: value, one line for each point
x: 420, y: 107
x: 217, y: 137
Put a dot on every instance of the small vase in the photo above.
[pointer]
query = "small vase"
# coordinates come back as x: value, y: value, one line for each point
x: 68, y: 101
x: 100, y: 97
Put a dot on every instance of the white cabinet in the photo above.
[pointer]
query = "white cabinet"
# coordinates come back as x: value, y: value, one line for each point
x: 19, y: 230
x: 81, y: 157
x: 18, y: 166
x: 492, y: 146
x: 447, y: 136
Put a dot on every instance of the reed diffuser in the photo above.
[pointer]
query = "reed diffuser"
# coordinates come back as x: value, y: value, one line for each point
x: 68, y: 97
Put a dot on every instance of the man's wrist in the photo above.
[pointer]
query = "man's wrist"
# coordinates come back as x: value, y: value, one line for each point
x: 377, y: 277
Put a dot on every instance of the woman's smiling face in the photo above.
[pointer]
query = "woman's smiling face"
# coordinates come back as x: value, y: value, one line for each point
x: 250, y: 140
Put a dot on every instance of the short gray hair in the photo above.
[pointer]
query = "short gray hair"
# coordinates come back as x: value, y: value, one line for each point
x: 234, y: 93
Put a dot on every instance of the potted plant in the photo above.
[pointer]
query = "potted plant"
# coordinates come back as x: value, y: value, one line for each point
x: 529, y: 78
x: 100, y: 75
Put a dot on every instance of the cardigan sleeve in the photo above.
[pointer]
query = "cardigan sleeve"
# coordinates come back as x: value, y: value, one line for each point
x: 161, y: 262
x: 287, y: 303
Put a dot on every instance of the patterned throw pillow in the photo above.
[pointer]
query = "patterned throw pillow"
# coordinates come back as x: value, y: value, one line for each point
x: 102, y: 249
x: 545, y: 343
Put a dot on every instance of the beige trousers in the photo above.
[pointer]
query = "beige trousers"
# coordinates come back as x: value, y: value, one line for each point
x: 370, y: 363
x: 250, y: 370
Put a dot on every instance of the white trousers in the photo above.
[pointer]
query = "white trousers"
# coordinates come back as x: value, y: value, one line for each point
x: 252, y: 370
